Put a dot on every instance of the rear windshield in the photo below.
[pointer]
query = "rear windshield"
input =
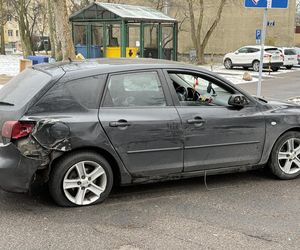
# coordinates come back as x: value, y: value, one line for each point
x: 272, y: 51
x: 23, y: 87
x: 290, y: 52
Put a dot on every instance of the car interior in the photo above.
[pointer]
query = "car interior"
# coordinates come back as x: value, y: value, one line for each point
x: 194, y: 90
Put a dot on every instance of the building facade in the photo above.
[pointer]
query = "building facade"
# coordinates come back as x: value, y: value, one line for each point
x: 11, y: 33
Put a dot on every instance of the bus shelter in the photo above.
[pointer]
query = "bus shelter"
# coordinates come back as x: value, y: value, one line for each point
x: 119, y: 30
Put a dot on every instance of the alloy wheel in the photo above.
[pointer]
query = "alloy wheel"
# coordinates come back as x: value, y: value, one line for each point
x: 256, y: 66
x: 228, y: 64
x: 84, y: 182
x: 289, y: 156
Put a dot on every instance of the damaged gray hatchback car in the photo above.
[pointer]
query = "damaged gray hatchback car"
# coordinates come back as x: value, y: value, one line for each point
x: 81, y: 127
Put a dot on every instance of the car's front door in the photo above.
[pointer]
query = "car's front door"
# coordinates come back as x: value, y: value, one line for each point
x: 240, y: 57
x: 216, y: 135
x: 142, y: 123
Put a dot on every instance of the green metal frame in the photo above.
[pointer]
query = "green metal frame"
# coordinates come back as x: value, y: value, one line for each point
x: 124, y: 34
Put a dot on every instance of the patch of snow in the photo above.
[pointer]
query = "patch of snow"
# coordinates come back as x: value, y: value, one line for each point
x: 9, y: 64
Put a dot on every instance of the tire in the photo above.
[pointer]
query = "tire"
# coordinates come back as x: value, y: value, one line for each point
x: 255, y: 66
x: 289, y: 67
x: 245, y: 68
x: 275, y: 69
x: 69, y: 189
x: 288, y: 166
x: 228, y: 63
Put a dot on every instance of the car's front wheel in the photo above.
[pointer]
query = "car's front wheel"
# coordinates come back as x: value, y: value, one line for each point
x: 228, y: 63
x: 275, y: 69
x: 79, y: 179
x: 285, y: 157
x: 289, y: 67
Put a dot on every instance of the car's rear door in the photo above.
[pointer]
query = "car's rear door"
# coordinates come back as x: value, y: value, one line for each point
x: 142, y: 123
x: 216, y: 135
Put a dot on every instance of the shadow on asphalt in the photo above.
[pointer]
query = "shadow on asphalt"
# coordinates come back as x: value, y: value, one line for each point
x: 40, y: 197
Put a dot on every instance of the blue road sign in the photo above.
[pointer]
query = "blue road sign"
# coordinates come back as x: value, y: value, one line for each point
x: 270, y: 4
x: 258, y: 34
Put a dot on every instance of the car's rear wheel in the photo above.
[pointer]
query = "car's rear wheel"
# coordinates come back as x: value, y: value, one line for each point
x: 285, y: 157
x: 228, y: 63
x: 80, y: 179
x: 275, y: 69
x: 255, y: 66
x: 289, y: 67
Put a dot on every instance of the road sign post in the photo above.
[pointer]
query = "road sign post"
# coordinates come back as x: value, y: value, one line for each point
x: 264, y: 4
x: 262, y: 51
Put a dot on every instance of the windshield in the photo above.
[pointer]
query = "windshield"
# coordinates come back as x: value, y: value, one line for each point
x: 290, y: 52
x: 272, y: 51
x: 19, y: 90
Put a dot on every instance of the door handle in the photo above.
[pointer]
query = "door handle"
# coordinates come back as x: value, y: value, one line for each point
x: 196, y: 121
x: 120, y: 123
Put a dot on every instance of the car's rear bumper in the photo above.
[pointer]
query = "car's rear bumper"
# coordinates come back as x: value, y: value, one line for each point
x: 273, y: 65
x: 16, y: 171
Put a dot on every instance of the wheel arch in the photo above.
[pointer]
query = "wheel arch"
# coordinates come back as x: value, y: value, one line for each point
x: 113, y: 162
x: 294, y: 129
x: 255, y: 60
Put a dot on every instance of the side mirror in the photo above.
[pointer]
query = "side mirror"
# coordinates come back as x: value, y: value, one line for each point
x: 238, y: 101
x: 237, y: 52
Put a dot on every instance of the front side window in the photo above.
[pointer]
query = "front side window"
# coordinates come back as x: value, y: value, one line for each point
x: 193, y: 90
x: 243, y: 50
x: 134, y: 90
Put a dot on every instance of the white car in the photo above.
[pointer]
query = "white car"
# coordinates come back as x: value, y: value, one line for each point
x: 298, y: 54
x: 249, y: 57
x: 290, y: 57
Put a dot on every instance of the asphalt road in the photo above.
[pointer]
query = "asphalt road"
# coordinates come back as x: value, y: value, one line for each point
x: 238, y: 211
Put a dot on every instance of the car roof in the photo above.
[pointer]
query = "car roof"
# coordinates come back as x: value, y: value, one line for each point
x: 105, y: 65
x: 259, y: 47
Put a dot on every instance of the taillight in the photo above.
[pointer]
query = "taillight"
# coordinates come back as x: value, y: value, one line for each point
x: 282, y: 56
x: 16, y: 130
x: 299, y: 56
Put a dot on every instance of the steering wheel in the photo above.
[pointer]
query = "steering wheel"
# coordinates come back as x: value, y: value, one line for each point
x: 182, y: 93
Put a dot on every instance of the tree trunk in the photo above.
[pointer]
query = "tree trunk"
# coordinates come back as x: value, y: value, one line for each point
x: 2, y: 41
x: 24, y: 29
x: 63, y: 29
x: 197, y: 28
x: 51, y: 29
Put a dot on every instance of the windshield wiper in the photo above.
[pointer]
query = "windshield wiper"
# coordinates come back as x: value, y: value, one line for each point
x: 7, y: 103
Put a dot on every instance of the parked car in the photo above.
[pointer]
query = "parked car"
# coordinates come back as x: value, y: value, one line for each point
x: 249, y: 57
x: 298, y: 54
x: 82, y: 127
x: 290, y: 57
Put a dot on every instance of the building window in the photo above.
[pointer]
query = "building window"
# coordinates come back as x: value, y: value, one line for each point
x: 17, y: 33
x: 10, y: 32
x: 9, y: 18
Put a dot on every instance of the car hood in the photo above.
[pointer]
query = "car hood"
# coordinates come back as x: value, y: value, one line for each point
x: 275, y: 103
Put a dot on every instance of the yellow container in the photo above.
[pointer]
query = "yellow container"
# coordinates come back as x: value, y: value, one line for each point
x: 115, y: 52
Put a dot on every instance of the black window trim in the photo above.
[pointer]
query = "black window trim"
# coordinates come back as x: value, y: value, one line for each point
x: 204, y: 75
x: 165, y: 88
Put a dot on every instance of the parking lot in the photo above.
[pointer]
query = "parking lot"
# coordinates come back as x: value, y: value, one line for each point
x: 238, y: 211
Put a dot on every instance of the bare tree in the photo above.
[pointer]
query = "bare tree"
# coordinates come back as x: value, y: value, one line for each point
x: 200, y: 37
x: 3, y: 20
x: 63, y: 29
x: 298, y: 12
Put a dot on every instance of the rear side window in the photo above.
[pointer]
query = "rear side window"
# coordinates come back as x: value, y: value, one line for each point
x: 75, y: 95
x: 22, y: 88
x: 134, y: 90
x: 290, y: 52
